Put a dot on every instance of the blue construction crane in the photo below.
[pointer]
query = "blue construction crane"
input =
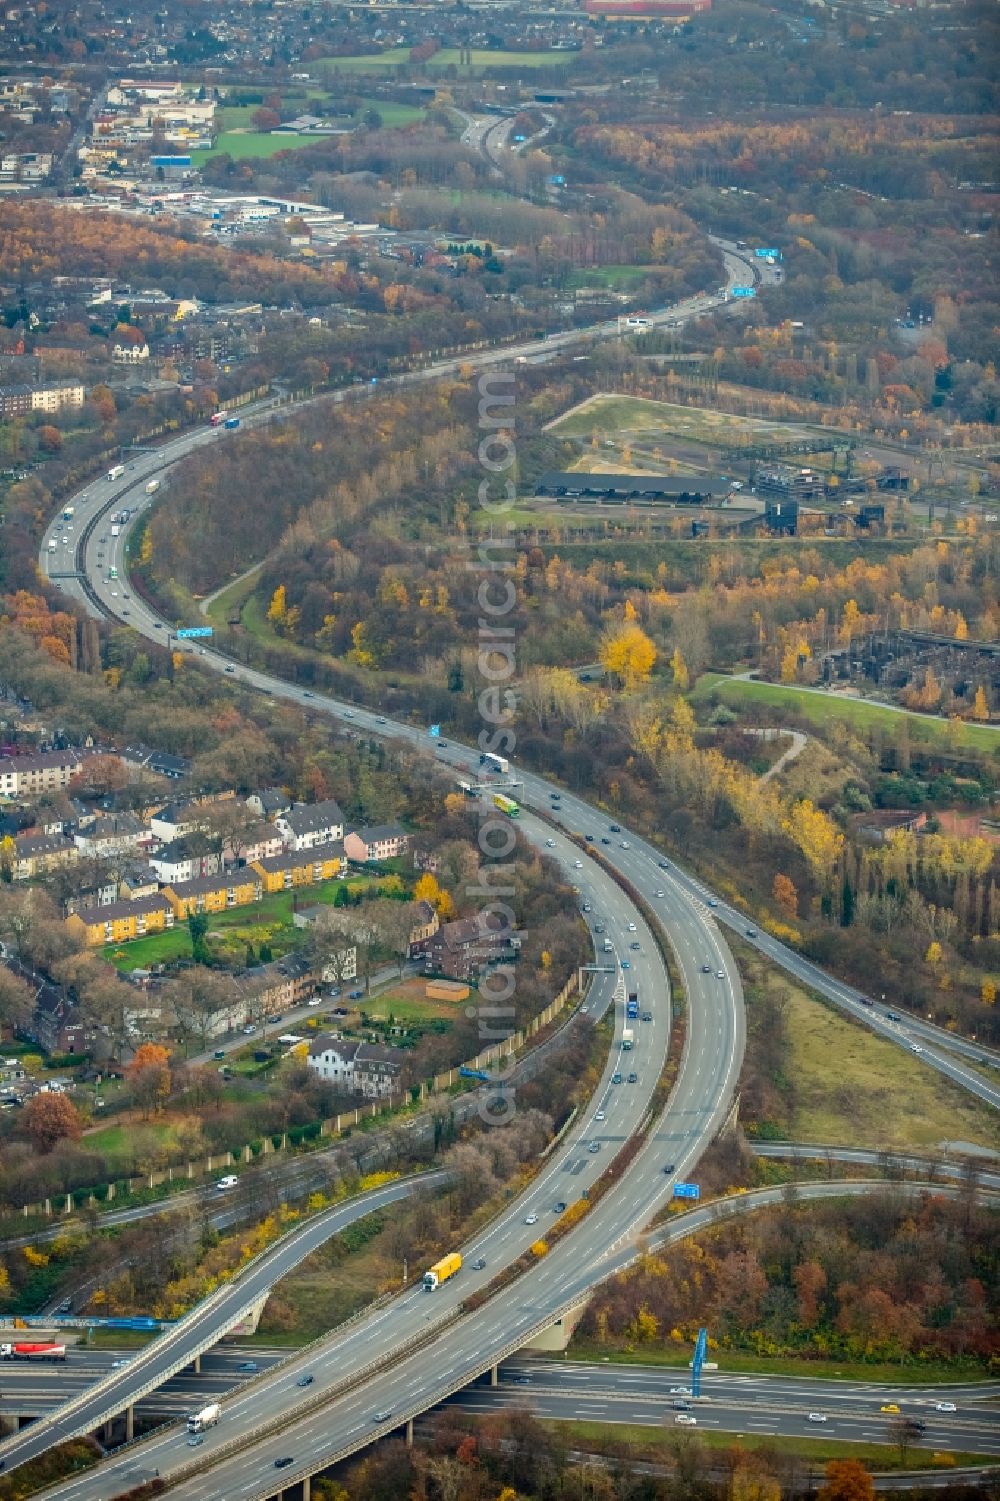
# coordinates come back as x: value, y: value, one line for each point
x: 698, y: 1362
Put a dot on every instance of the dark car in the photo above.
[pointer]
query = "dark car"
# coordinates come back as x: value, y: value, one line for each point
x: 384, y: 1415
x: 66, y: 1306
x: 560, y: 1207
x: 615, y: 828
x: 670, y: 1167
x: 891, y: 1016
x: 633, y: 1078
x: 679, y: 1404
x: 232, y: 669
x: 589, y: 838
x: 284, y: 1461
x: 647, y: 1016
x: 706, y: 969
x: 616, y: 1078
x: 751, y: 932
x: 247, y: 1365
x: 479, y: 1263
x: 664, y: 864
x: 306, y: 1380
x: 355, y: 995
x: 605, y: 840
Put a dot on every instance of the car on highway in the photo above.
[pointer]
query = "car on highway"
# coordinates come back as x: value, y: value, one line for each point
x: 384, y: 1415
x: 686, y: 1419
x: 578, y: 864
x: 284, y: 1462
x: 550, y: 844
x: 531, y: 1219
x: 680, y: 1391
x: 307, y: 694
x: 348, y: 713
x: 635, y: 946
x: 889, y: 1407
x: 595, y: 1146
x: 249, y: 1031
x: 306, y: 1380
x: 720, y: 974
x: 817, y: 1417
x: 632, y: 927
x: 633, y: 1078
x: 195, y: 1440
x: 587, y: 907
x: 605, y: 839
x: 706, y: 969
x: 671, y: 1167
x: 663, y: 864
x: 355, y: 995
x: 712, y: 902
x: 381, y: 719
x: 560, y: 1208
x: 647, y: 1016
x: 945, y: 1407
x: 626, y: 845
x: 680, y: 1405
x: 751, y: 932
x: 915, y: 1047
x: 248, y: 1365
x: 626, y: 964
x: 660, y: 893
x: 616, y: 1078
x: 232, y: 669
x: 157, y: 625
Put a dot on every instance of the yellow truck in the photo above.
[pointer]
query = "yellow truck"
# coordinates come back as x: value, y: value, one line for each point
x: 442, y: 1270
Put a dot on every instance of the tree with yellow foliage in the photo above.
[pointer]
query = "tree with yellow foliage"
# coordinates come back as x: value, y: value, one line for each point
x: 678, y: 667
x: 817, y: 836
x: 934, y: 953
x: 628, y: 654
x: 278, y: 608
x: 988, y: 993
x: 980, y: 708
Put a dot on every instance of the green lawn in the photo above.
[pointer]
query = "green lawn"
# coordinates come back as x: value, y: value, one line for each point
x: 876, y: 1456
x: 822, y: 707
x: 117, y: 1141
x: 610, y: 276
x: 252, y: 143
x: 269, y: 920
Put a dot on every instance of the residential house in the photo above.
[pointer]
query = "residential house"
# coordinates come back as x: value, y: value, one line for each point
x: 100, y: 894
x: 185, y: 860
x: 27, y: 776
x: 162, y: 763
x: 425, y: 924
x: 325, y: 862
x: 364, y: 1068
x: 260, y: 843
x: 383, y: 841
x: 58, y: 1025
x: 307, y: 825
x: 462, y: 950
x: 138, y: 880
x: 34, y: 854
x: 215, y: 893
x: 175, y: 821
x: 118, y: 834
x: 120, y: 921
x: 270, y: 802
x: 342, y: 965
x: 280, y: 985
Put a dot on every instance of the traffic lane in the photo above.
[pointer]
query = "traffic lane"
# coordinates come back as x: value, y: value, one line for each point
x: 180, y: 1345
x: 928, y: 1166
x: 982, y: 1437
x: 645, y: 1380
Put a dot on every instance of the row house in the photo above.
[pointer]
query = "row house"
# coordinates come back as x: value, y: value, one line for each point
x: 121, y: 921
x: 175, y: 821
x: 383, y: 841
x: 119, y: 834
x: 363, y: 1068
x: 260, y: 843
x: 325, y: 862
x: 185, y: 860
x: 269, y: 802
x: 307, y: 825
x: 462, y: 950
x: 36, y: 854
x: 214, y: 893
x: 58, y: 1025
x: 425, y: 924
x: 28, y: 776
x: 280, y: 985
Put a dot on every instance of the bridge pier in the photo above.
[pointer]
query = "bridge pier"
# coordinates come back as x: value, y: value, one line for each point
x: 409, y: 1433
x: 129, y: 1424
x: 196, y: 1365
x: 494, y: 1375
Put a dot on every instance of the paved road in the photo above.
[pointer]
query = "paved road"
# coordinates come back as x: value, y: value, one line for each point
x: 928, y: 1168
x: 218, y: 1312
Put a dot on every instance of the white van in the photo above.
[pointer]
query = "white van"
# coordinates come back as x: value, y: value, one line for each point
x: 229, y: 1181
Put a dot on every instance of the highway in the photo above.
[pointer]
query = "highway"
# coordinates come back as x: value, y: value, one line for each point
x: 978, y: 1171
x: 605, y: 1238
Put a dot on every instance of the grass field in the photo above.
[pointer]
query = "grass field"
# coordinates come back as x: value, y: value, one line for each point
x: 616, y: 414
x: 822, y: 707
x: 878, y: 1095
x: 655, y: 1444
x: 923, y: 1373
x: 610, y: 276
x: 241, y: 145
x: 482, y: 60
x: 230, y: 117
x: 269, y: 920
x: 119, y: 1141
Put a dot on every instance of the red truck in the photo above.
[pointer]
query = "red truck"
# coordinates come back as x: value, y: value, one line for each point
x: 41, y: 1351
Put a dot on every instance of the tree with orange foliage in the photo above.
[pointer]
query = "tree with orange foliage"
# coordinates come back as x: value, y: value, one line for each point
x: 847, y: 1480
x: 148, y: 1077
x: 50, y: 1118
x: 784, y: 893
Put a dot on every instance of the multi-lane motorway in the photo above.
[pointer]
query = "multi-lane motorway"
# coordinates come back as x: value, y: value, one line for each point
x: 460, y: 1347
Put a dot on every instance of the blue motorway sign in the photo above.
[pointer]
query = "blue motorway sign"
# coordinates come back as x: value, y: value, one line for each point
x: 434, y: 730
x: 189, y: 632
x: 687, y: 1191
x: 768, y: 255
x: 744, y: 292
